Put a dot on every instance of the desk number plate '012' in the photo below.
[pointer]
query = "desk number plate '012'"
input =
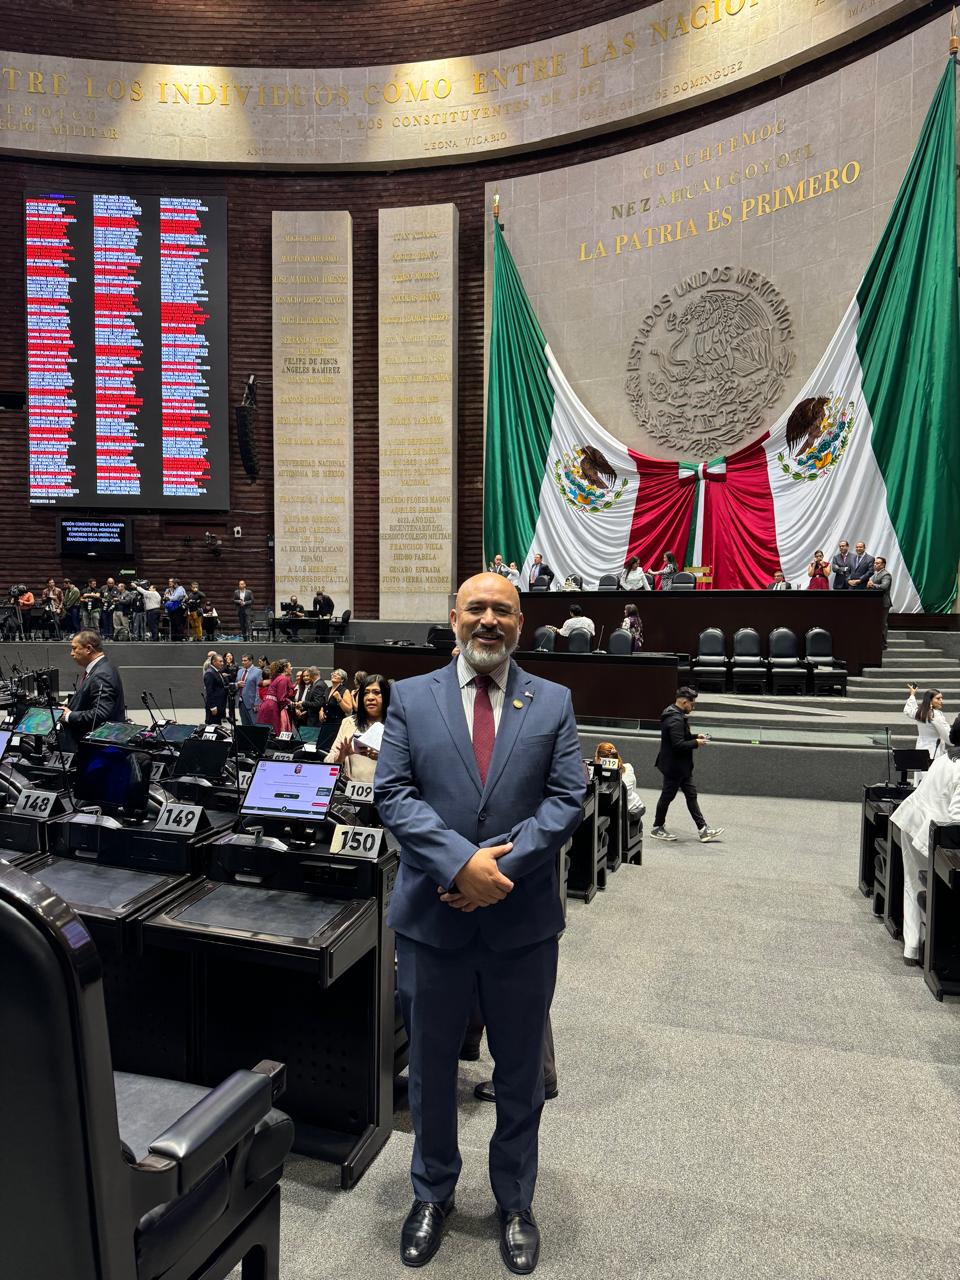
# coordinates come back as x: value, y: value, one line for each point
x: 359, y: 842
x: 182, y: 818
x: 35, y: 804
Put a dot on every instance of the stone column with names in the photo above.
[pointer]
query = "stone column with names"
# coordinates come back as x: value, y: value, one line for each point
x: 312, y: 293
x: 418, y: 410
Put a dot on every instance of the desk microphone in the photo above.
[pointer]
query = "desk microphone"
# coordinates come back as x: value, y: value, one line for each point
x: 173, y: 709
x: 600, y: 641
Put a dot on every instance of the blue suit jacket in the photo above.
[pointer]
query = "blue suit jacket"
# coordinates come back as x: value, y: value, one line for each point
x: 429, y: 794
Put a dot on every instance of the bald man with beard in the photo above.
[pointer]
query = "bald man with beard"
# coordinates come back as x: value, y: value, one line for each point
x: 481, y: 781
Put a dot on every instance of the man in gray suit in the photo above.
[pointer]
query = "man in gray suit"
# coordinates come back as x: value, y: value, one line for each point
x: 880, y: 580
x: 481, y: 781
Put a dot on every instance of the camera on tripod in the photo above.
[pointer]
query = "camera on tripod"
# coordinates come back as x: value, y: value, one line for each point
x: 16, y: 591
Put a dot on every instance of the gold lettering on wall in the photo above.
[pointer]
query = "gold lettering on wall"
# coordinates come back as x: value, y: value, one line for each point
x: 418, y: 411
x: 313, y: 406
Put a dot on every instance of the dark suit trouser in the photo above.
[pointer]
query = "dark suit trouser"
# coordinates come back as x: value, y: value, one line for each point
x: 243, y: 615
x: 475, y: 1031
x: 671, y: 785
x: 437, y: 990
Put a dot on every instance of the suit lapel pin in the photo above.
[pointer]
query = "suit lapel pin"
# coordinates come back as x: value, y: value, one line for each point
x: 518, y: 704
x: 527, y: 694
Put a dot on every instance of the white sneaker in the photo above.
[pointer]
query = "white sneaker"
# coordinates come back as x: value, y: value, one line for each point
x: 709, y: 833
x: 661, y: 833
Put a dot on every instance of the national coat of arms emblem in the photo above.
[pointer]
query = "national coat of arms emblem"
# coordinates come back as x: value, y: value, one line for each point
x: 818, y: 432
x: 587, y: 480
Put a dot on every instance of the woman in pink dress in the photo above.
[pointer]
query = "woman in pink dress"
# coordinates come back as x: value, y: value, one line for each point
x: 818, y: 571
x: 278, y: 697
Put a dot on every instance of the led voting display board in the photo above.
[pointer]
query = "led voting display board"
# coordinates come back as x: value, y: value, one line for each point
x: 127, y: 351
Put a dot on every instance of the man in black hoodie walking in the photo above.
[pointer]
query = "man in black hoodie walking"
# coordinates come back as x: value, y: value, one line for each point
x: 675, y: 762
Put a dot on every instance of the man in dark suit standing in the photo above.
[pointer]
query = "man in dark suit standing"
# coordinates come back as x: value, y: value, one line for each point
x: 99, y: 693
x: 314, y: 698
x: 842, y: 566
x: 243, y: 599
x: 214, y: 692
x: 675, y: 762
x: 540, y: 572
x: 481, y: 781
x: 861, y: 569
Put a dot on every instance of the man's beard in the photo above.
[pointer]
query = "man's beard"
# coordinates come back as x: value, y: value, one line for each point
x: 482, y: 659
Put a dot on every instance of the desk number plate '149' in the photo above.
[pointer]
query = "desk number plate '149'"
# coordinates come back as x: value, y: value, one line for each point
x: 360, y: 842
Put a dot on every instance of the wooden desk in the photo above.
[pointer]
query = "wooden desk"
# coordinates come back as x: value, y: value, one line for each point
x: 673, y: 620
x: 606, y: 686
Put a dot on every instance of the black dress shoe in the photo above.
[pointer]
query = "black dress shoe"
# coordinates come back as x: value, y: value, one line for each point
x: 519, y: 1241
x: 422, y: 1232
x: 487, y: 1093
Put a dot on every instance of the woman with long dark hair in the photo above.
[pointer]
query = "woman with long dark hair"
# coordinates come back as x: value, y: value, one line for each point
x: 360, y: 761
x: 933, y: 731
x: 818, y: 571
x: 275, y: 703
x: 631, y: 622
x: 633, y: 577
x: 667, y: 571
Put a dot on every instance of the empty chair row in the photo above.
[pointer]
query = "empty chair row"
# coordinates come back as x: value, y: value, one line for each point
x: 818, y: 671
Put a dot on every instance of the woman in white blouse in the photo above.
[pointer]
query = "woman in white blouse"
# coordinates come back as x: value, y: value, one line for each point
x: 633, y: 577
x: 933, y: 731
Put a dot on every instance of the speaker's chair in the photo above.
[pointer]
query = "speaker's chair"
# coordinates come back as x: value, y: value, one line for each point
x: 579, y: 641
x: 709, y: 668
x: 126, y: 1177
x: 829, y: 673
x: 786, y: 669
x: 683, y: 581
x: 621, y: 641
x: 748, y: 670
x: 609, y: 582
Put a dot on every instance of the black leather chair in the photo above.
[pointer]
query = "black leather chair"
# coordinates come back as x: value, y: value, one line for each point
x: 621, y: 641
x: 441, y: 637
x: 683, y: 581
x: 709, y: 669
x: 609, y: 582
x: 108, y: 1177
x: 541, y: 584
x: 829, y: 673
x: 786, y: 669
x: 579, y: 642
x: 545, y: 638
x: 748, y: 670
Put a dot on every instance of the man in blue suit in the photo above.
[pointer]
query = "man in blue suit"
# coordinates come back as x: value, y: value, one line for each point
x: 480, y: 779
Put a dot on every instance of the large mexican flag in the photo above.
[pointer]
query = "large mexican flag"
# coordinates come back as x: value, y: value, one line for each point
x: 869, y: 449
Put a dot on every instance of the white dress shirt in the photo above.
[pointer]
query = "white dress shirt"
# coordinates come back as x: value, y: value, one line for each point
x: 577, y: 624
x: 635, y: 580
x: 468, y: 691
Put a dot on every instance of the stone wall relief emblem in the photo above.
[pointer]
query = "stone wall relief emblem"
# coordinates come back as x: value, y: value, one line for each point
x: 710, y: 360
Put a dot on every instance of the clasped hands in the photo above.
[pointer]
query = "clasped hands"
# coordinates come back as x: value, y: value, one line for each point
x: 479, y: 882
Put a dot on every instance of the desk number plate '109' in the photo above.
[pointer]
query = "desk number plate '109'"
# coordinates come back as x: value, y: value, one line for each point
x: 359, y: 842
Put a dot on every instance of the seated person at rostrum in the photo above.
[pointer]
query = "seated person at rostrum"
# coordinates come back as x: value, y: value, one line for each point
x: 292, y: 608
x: 576, y: 622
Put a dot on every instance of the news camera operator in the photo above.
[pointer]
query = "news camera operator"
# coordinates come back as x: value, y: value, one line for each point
x: 19, y: 600
x: 99, y: 693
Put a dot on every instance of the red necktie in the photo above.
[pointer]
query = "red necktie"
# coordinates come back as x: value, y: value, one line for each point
x: 484, y: 731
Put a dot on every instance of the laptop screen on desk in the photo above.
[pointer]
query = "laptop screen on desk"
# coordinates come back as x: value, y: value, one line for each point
x: 286, y: 789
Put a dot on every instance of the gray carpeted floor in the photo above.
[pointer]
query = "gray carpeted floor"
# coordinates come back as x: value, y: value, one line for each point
x: 752, y: 1084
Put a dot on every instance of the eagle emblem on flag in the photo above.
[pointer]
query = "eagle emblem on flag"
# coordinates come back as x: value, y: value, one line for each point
x: 818, y: 432
x: 587, y: 480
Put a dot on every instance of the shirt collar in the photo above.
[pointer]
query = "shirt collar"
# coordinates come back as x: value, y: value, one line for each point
x: 465, y: 673
x: 93, y: 662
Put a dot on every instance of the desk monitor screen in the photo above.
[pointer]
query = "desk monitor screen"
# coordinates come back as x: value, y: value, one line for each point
x: 112, y: 778
x: 114, y: 732
x: 175, y: 733
x: 285, y: 789
x: 204, y: 758
x: 307, y: 733
x: 5, y: 736
x: 39, y: 720
x: 252, y: 739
